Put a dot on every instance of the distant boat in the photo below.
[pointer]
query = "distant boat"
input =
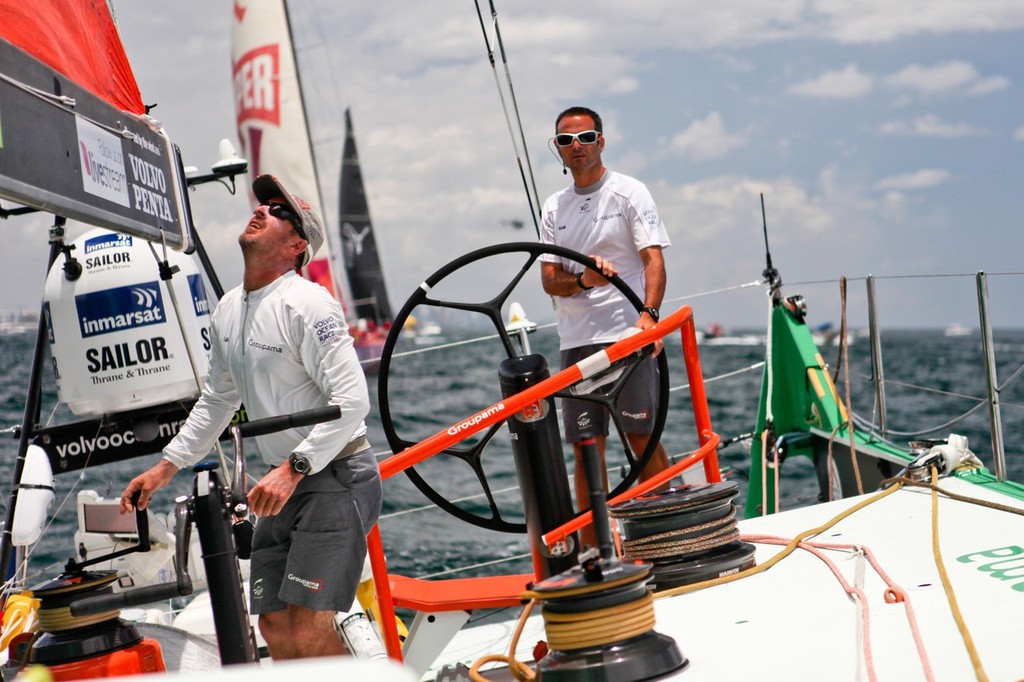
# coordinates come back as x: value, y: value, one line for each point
x: 826, y: 334
x: 517, y: 319
x: 426, y: 332
x: 957, y: 329
x: 717, y: 335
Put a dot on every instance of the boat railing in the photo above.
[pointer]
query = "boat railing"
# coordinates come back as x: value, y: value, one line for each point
x: 706, y: 454
x: 993, y: 389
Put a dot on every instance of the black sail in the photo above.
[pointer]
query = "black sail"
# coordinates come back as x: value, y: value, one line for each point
x: 359, y: 246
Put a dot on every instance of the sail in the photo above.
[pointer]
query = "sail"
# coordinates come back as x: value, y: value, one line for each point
x: 274, y: 133
x: 75, y: 139
x: 271, y: 119
x: 362, y: 262
x: 81, y: 43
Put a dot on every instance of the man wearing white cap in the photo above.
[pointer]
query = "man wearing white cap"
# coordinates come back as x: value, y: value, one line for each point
x: 281, y: 345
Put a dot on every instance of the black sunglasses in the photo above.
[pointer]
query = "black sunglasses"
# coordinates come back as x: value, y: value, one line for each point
x: 282, y: 212
x: 586, y: 137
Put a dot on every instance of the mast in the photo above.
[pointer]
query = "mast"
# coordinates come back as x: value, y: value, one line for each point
x: 362, y: 260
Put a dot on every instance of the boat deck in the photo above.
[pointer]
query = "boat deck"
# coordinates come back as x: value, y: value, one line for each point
x: 796, y: 622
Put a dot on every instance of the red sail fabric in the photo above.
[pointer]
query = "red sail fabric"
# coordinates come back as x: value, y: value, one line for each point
x: 77, y: 38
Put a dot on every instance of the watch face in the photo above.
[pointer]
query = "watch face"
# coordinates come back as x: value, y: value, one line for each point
x: 299, y: 464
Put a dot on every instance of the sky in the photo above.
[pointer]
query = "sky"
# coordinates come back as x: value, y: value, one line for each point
x: 885, y: 135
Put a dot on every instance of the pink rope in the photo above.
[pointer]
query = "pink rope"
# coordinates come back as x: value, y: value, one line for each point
x: 893, y: 593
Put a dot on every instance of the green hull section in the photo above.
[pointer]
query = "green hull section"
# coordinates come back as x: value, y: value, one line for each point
x: 808, y: 418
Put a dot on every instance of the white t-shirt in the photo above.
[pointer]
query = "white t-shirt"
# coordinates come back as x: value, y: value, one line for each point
x: 614, y: 218
x: 281, y: 349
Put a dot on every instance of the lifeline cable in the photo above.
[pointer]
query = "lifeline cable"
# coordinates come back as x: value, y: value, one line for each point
x: 533, y: 199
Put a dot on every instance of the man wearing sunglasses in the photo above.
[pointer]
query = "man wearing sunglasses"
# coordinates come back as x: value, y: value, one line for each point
x: 612, y: 218
x: 280, y: 345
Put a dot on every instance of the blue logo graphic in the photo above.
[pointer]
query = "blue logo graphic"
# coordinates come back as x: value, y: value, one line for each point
x: 200, y: 303
x: 107, y: 241
x: 112, y: 310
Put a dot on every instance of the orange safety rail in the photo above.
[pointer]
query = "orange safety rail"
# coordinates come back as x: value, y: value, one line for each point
x: 706, y: 453
x: 487, y: 591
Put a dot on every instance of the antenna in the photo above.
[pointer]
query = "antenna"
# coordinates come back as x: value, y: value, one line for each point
x: 223, y: 171
x: 770, y: 274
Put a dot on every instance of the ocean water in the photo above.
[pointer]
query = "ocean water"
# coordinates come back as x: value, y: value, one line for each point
x: 428, y: 391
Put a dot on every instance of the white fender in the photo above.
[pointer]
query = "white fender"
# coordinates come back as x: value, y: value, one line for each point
x: 35, y: 496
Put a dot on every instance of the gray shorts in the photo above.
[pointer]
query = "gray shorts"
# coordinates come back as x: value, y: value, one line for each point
x: 636, y: 405
x: 311, y: 554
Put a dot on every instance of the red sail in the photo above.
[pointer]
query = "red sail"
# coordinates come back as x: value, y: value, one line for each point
x: 79, y: 40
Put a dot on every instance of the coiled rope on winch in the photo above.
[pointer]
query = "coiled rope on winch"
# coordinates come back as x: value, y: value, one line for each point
x: 60, y: 619
x: 687, y: 540
x: 55, y: 599
x: 582, y: 629
x: 687, y: 533
x: 596, y: 628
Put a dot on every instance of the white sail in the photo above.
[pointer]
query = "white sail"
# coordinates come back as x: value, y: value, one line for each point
x: 272, y: 125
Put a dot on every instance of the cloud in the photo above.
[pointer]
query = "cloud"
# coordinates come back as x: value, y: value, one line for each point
x: 987, y: 86
x: 706, y: 139
x: 880, y: 21
x: 929, y: 125
x: 922, y: 179
x: 944, y: 78
x: 1019, y: 134
x: 849, y: 83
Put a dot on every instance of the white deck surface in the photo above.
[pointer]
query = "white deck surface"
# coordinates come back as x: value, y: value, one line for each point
x: 795, y: 622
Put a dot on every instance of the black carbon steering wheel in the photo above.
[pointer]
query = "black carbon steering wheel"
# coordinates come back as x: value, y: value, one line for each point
x: 472, y: 454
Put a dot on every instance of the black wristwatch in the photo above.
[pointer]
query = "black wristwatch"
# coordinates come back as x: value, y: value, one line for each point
x: 580, y: 284
x: 300, y: 464
x: 653, y: 312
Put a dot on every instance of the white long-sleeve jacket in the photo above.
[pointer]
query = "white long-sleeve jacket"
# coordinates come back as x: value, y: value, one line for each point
x: 279, y: 350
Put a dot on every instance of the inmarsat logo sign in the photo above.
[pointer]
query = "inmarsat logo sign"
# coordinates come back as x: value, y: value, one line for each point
x: 111, y: 310
x: 103, y: 242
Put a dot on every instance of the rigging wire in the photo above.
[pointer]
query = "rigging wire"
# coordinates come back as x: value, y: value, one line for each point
x: 531, y: 197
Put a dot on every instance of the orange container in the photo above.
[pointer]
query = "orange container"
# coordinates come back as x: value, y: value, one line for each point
x: 144, y: 657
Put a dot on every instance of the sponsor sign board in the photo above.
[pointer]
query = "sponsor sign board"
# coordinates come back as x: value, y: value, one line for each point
x: 65, y: 151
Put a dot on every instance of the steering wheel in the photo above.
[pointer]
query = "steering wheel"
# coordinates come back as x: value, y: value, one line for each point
x: 473, y: 454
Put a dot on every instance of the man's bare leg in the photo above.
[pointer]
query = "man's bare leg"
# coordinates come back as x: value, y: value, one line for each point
x: 297, y: 632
